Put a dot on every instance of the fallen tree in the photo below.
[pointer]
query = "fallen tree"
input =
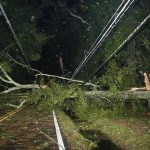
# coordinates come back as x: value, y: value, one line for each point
x: 147, y: 85
x: 121, y: 96
x: 90, y: 94
x: 16, y: 86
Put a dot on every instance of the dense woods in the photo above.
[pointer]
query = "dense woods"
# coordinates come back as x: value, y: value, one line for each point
x: 52, y: 32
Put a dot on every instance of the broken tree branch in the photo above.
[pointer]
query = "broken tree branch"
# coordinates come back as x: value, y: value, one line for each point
x: 21, y: 64
x: 17, y: 86
x: 27, y: 86
x: 72, y: 14
x: 47, y: 75
x: 137, y: 89
x: 78, y: 17
x: 8, y: 78
x: 17, y: 106
x: 68, y: 79
x: 147, y: 85
x: 147, y: 82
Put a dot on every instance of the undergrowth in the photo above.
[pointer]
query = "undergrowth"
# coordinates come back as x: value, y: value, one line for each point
x: 66, y: 97
x: 94, y: 116
x: 72, y: 100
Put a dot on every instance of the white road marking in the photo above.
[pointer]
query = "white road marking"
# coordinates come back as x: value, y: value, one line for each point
x: 58, y: 133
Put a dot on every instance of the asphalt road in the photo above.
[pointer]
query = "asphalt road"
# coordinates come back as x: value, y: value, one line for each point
x: 28, y: 129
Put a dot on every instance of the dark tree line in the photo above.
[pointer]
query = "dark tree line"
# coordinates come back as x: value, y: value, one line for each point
x: 54, y: 30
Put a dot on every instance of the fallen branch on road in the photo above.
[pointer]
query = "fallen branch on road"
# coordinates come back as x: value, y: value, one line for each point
x: 17, y: 106
x: 16, y: 86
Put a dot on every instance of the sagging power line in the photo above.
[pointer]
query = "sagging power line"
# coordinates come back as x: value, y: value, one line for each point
x: 129, y: 38
x: 121, y: 10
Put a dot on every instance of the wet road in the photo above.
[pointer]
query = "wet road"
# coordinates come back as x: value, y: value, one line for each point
x: 23, y: 131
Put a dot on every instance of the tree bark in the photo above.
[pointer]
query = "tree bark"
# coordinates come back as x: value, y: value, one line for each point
x: 120, y: 95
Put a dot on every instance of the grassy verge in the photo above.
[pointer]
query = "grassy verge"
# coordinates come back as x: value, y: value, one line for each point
x: 125, y: 133
x: 104, y: 123
x: 73, y: 138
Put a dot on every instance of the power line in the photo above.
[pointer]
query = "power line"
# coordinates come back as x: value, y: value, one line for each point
x: 129, y: 38
x: 113, y: 24
x: 97, y: 46
x: 115, y: 21
x: 103, y: 38
x: 93, y: 45
x: 118, y: 17
x: 14, y: 35
x: 106, y: 25
x: 90, y: 53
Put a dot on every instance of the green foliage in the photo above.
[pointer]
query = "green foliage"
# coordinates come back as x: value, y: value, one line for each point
x: 81, y: 108
x: 58, y: 95
x: 5, y: 65
x: 118, y: 78
x: 72, y: 100
x: 128, y: 54
x: 50, y: 97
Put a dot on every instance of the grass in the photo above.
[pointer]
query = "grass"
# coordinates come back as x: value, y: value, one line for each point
x: 73, y: 138
x: 100, y: 123
x: 104, y: 133
x: 126, y: 134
